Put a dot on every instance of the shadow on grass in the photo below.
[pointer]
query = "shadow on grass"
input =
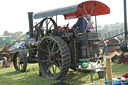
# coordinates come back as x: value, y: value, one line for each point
x: 10, y: 73
x: 82, y: 76
x: 31, y: 77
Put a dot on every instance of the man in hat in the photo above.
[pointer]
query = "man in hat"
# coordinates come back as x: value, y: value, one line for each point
x: 104, y: 44
x: 81, y: 25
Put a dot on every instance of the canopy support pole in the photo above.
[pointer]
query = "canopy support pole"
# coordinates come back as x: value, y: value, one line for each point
x: 83, y: 18
x: 125, y: 19
x: 56, y: 19
x: 84, y: 9
x: 92, y: 9
x: 95, y: 19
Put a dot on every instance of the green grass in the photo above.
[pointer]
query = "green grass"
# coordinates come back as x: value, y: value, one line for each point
x: 8, y: 76
x: 119, y: 69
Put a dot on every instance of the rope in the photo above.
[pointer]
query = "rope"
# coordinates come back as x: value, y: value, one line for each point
x: 108, y: 81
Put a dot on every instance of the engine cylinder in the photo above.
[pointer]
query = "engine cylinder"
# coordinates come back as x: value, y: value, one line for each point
x: 124, y: 46
x: 31, y: 43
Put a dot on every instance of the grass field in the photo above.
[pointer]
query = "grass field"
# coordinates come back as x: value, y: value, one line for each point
x: 8, y: 76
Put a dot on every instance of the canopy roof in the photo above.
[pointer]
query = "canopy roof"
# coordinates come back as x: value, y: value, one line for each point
x: 73, y: 11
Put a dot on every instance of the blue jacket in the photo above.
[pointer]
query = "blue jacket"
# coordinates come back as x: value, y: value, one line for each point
x: 79, y: 24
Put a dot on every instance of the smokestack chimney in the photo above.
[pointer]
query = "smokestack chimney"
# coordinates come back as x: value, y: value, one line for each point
x: 30, y: 20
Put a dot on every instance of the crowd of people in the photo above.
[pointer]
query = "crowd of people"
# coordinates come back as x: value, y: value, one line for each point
x: 19, y: 44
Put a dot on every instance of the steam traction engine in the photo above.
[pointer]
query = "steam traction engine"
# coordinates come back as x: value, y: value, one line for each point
x: 59, y: 48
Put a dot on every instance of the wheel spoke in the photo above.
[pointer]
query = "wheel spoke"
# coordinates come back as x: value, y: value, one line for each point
x: 59, y: 59
x: 59, y: 54
x: 51, y: 26
x: 21, y: 66
x: 49, y: 21
x: 53, y: 69
x: 48, y: 49
x: 18, y: 66
x: 53, y: 46
x: 46, y: 55
x: 17, y: 59
x: 49, y: 68
x: 47, y: 24
x: 20, y: 56
x: 44, y: 61
x: 59, y: 64
x: 48, y: 46
x: 44, y: 51
x: 57, y: 51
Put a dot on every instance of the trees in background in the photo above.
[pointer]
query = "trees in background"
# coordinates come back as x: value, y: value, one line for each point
x: 111, y: 26
x: 14, y: 35
x: 6, y: 33
x: 17, y: 35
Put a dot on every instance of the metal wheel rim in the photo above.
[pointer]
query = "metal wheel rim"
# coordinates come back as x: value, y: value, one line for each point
x: 51, y: 59
x: 48, y: 24
x: 20, y: 62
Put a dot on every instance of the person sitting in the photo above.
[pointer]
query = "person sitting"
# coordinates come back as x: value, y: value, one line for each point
x: 5, y: 47
x: 90, y: 24
x: 16, y: 45
x: 4, y: 58
x: 19, y: 44
x: 23, y: 45
x: 3, y: 55
x: 81, y: 25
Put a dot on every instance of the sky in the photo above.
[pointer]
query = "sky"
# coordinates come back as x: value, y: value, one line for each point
x: 13, y: 13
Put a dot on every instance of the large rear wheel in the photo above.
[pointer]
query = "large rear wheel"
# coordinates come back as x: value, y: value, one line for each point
x: 53, y: 57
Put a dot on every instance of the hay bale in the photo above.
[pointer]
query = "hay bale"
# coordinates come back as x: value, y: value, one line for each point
x: 10, y: 63
x: 115, y: 53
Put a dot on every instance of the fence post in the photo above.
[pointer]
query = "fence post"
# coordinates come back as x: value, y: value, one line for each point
x: 109, y: 69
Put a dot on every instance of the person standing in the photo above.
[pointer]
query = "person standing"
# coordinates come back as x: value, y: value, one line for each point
x: 104, y: 44
x: 3, y: 55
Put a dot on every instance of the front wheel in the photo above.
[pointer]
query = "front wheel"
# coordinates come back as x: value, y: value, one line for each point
x: 20, y: 61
